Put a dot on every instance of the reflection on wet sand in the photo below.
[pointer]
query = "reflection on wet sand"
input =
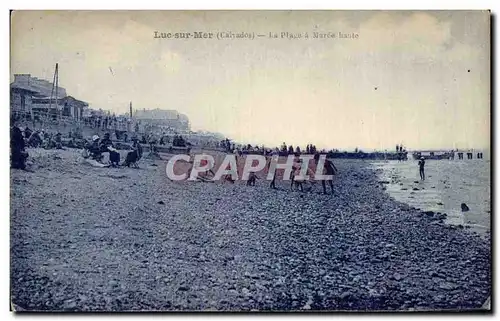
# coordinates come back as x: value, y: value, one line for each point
x: 448, y: 184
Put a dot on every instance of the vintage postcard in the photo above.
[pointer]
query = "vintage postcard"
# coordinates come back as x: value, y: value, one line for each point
x: 250, y: 161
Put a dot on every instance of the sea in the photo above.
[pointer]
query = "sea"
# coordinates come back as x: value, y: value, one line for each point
x: 447, y: 185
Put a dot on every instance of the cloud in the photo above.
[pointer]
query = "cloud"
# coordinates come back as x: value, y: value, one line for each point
x: 320, y: 91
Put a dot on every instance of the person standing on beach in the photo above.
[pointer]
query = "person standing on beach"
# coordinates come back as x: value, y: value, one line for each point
x: 152, y: 143
x: 273, y: 182
x: 17, y: 153
x: 295, y: 170
x: 329, y: 169
x: 421, y: 164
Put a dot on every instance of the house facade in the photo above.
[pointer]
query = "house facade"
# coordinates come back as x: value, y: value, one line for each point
x: 21, y: 99
x: 164, y: 118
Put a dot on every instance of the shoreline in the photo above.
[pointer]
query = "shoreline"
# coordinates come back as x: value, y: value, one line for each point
x: 107, y: 243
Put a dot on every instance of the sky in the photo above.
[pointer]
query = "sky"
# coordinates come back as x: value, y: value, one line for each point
x: 421, y: 78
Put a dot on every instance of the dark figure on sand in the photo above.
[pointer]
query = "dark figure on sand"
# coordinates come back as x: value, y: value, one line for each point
x: 35, y: 140
x: 295, y: 176
x: 27, y: 132
x: 292, y: 174
x: 421, y: 165
x: 106, y: 145
x: 58, y: 141
x: 296, y: 179
x: 152, y: 143
x: 134, y: 156
x: 329, y: 169
x: 18, y: 155
x: 273, y: 182
x: 252, y: 179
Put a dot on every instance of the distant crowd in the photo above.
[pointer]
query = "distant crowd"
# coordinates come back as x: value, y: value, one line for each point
x: 402, y: 153
x: 232, y: 147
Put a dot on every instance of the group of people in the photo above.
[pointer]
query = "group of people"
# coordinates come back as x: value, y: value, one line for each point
x: 107, y: 122
x: 402, y: 153
x: 421, y: 168
x: 164, y: 139
x: 297, y: 181
x: 310, y: 149
x: 98, y: 146
x: 21, y: 139
x: 231, y: 147
x: 18, y: 154
x: 41, y: 138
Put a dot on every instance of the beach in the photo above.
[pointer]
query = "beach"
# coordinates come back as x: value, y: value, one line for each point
x: 124, y: 239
